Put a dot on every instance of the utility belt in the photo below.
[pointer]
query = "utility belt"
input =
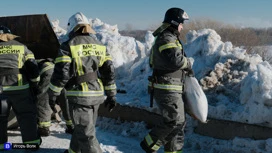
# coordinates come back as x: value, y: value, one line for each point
x: 80, y: 79
x: 153, y: 82
x: 172, y: 74
x: 11, y: 71
x: 160, y: 73
x: 179, y: 74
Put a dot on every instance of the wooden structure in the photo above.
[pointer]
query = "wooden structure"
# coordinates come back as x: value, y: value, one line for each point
x: 36, y: 32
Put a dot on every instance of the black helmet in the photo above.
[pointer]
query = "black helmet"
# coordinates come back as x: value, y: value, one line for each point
x: 175, y: 16
x: 4, y: 29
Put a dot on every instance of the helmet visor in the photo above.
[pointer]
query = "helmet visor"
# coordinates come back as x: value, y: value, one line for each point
x: 185, y: 16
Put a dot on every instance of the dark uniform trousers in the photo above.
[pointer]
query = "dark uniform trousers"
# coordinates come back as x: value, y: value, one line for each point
x: 84, y: 118
x: 25, y: 110
x: 44, y: 110
x: 170, y: 131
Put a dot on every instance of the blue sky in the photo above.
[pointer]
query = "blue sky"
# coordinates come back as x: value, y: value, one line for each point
x: 142, y: 14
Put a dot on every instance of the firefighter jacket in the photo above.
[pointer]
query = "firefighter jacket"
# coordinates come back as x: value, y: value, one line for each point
x: 18, y: 68
x: 168, y: 61
x: 83, y: 55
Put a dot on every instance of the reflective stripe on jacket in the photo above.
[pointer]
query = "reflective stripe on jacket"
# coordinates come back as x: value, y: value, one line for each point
x: 177, y: 88
x: 45, y: 66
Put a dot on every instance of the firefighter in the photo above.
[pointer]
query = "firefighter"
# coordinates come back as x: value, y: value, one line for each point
x: 18, y: 72
x: 169, y: 65
x: 46, y: 67
x: 85, y: 69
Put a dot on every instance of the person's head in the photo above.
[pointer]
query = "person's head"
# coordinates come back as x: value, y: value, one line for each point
x: 4, y: 29
x: 79, y: 21
x: 175, y: 17
x: 5, y: 34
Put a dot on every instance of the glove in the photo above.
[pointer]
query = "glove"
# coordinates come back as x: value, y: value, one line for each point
x: 110, y: 102
x: 189, y: 69
x: 190, y: 73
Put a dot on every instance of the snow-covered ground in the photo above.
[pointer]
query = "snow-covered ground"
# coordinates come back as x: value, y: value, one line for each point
x: 238, y: 87
x: 124, y: 137
x: 114, y: 137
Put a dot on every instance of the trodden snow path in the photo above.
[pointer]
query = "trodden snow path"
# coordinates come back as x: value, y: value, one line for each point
x: 58, y: 141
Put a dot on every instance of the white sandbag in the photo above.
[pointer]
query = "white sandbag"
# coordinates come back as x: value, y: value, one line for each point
x: 195, y: 100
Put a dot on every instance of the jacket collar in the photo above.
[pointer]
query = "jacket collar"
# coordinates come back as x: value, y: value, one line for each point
x: 7, y: 37
x: 174, y: 31
x: 166, y: 26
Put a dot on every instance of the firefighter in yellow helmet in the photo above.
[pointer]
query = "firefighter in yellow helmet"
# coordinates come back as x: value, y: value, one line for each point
x: 85, y: 69
x: 18, y: 72
x: 169, y: 64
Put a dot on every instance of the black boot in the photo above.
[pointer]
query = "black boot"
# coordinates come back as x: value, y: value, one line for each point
x: 69, y: 129
x: 66, y: 151
x: 146, y: 148
x: 44, y: 131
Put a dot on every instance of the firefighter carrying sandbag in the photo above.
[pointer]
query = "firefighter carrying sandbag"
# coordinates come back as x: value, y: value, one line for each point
x: 169, y: 65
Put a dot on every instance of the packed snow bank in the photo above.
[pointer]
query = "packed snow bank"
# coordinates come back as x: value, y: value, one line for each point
x: 60, y: 32
x: 238, y: 85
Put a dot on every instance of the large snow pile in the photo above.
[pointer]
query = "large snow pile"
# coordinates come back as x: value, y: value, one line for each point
x: 238, y: 85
